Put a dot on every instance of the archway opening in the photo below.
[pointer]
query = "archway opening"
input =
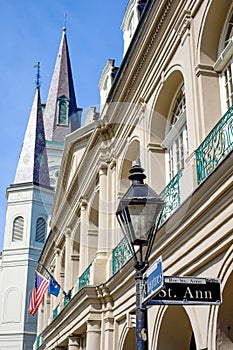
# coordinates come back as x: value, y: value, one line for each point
x: 130, y: 340
x: 175, y: 335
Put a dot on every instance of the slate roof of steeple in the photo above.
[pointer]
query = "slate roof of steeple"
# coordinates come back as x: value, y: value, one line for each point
x: 33, y: 164
x: 61, y: 85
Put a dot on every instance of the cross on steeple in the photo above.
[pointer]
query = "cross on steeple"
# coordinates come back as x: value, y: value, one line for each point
x: 64, y: 26
x: 37, y: 74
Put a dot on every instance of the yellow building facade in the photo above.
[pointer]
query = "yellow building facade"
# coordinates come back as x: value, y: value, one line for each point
x: 169, y: 104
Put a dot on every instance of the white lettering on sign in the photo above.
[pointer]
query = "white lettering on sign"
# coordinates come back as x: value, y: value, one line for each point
x: 187, y: 280
x: 153, y: 283
x: 188, y: 294
x: 198, y: 294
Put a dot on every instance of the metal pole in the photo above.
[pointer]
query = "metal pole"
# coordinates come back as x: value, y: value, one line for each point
x: 141, y: 314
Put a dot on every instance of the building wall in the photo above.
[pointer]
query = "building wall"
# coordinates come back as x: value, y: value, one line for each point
x: 169, y: 63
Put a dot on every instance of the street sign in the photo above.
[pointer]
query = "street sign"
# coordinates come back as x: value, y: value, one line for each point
x: 153, y: 280
x: 188, y: 290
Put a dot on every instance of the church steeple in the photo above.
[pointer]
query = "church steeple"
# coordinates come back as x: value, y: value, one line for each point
x: 61, y: 115
x: 33, y: 164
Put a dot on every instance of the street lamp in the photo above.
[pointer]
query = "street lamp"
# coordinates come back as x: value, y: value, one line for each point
x: 138, y: 214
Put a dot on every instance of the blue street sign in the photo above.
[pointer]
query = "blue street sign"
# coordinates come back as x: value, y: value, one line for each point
x: 153, y: 280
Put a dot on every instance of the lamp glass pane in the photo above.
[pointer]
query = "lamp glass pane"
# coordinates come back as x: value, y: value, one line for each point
x: 142, y: 219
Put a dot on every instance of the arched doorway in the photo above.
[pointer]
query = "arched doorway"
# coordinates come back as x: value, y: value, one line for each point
x: 176, y: 332
x: 130, y: 340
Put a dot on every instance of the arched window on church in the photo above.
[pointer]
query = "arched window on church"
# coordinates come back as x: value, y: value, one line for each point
x: 40, y: 230
x: 18, y: 227
x: 224, y: 64
x: 176, y: 140
x: 63, y: 109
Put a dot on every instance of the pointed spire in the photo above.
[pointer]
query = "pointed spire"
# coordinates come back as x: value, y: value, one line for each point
x: 61, y: 98
x: 33, y: 164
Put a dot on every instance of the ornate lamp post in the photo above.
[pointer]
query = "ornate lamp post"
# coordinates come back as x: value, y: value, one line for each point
x: 138, y: 214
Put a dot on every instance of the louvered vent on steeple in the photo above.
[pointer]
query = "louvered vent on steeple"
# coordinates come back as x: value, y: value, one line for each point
x: 18, y: 226
x: 40, y: 230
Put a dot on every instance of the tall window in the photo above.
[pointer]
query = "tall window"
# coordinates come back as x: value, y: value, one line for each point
x: 63, y: 109
x: 40, y: 230
x: 228, y: 84
x: 224, y: 65
x: 176, y: 140
x: 18, y: 227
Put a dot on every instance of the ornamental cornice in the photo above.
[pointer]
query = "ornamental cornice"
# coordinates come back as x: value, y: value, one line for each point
x: 184, y: 23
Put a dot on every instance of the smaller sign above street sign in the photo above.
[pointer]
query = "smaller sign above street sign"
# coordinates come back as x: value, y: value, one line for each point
x: 188, y: 290
x: 153, y: 280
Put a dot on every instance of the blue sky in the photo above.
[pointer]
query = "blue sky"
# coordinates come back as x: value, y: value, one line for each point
x: 30, y: 32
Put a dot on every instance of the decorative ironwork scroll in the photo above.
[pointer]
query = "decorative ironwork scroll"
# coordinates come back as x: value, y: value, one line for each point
x: 215, y: 147
x: 84, y: 279
x: 120, y: 255
x: 171, y: 197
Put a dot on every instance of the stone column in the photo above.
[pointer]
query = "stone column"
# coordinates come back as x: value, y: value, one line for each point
x: 100, y: 263
x: 68, y: 262
x: 114, y: 203
x: 93, y: 335
x: 57, y: 272
x: 74, y: 342
x: 103, y: 240
x: 83, y: 236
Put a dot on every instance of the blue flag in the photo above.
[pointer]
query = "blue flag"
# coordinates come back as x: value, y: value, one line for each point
x: 54, y: 287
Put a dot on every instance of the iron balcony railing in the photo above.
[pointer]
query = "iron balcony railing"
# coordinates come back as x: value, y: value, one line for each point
x: 171, y: 197
x: 84, y: 279
x: 216, y: 146
x: 39, y: 341
x: 120, y: 255
x: 55, y: 311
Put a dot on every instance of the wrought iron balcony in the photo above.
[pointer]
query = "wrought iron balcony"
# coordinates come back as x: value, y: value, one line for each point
x: 56, y: 311
x: 84, y: 279
x: 171, y: 197
x: 120, y: 255
x: 39, y: 341
x: 215, y: 147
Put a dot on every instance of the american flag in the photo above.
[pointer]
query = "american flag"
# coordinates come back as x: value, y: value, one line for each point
x: 40, y: 287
